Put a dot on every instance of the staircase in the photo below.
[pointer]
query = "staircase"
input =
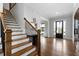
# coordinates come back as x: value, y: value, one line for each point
x: 16, y: 41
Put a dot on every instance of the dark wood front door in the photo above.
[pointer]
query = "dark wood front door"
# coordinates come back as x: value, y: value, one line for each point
x: 59, y: 29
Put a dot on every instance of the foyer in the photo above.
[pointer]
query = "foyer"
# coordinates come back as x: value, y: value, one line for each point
x: 38, y: 29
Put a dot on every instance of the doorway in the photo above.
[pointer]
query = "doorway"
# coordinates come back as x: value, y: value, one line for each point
x: 59, y: 29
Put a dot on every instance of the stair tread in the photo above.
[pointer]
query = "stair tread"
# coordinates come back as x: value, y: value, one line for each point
x: 22, y: 51
x: 34, y: 53
x: 29, y: 52
x: 11, y: 22
x: 17, y: 30
x: 14, y: 27
x: 21, y: 44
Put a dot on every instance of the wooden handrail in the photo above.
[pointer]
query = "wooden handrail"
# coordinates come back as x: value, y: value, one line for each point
x: 12, y: 6
x: 2, y: 19
x: 7, y: 36
x: 30, y: 24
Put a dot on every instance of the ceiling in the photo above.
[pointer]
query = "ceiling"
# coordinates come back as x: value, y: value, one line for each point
x: 51, y: 9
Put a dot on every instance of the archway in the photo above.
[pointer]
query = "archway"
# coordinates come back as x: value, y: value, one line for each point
x: 76, y: 30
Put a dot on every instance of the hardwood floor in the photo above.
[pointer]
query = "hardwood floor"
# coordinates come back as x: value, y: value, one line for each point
x: 57, y: 47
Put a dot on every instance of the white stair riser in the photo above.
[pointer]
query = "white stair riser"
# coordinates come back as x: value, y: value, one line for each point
x: 16, y: 29
x: 13, y: 33
x: 20, y: 41
x: 18, y: 37
x: 12, y: 24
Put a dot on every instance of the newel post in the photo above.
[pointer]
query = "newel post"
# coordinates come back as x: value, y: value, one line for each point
x: 8, y: 41
x: 38, y: 43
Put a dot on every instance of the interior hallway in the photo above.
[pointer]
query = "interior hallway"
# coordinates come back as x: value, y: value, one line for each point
x: 57, y: 47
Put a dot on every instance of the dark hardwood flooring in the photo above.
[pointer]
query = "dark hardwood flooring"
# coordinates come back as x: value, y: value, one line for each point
x: 57, y: 47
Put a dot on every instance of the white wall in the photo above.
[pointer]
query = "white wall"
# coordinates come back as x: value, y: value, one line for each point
x: 18, y: 12
x: 6, y: 6
x: 68, y: 20
x: 1, y: 7
x: 29, y: 14
x: 46, y: 28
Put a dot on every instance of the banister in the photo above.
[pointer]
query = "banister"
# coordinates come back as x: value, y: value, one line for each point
x: 12, y: 6
x: 30, y: 24
x: 8, y: 40
x: 6, y: 35
x: 37, y: 39
x: 38, y: 43
x: 2, y: 19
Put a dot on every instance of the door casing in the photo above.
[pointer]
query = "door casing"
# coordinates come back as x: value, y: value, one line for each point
x: 59, y: 35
